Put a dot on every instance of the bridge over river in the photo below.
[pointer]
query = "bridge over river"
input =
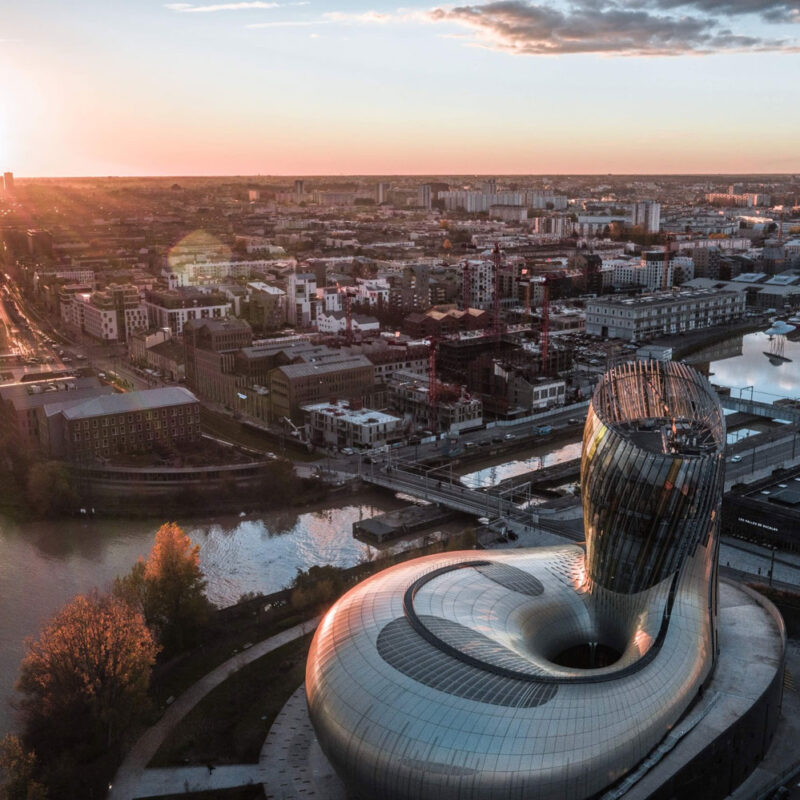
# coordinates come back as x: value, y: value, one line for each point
x: 453, y: 494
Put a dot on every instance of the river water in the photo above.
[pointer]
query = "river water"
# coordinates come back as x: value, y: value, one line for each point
x: 44, y: 564
x: 752, y: 372
x: 540, y: 457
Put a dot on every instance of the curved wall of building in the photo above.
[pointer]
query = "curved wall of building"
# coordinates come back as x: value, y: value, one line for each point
x: 651, y: 473
x: 548, y: 672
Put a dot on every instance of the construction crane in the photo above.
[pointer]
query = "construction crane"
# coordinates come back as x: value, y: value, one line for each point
x: 437, y: 391
x: 544, y: 332
x: 527, y: 283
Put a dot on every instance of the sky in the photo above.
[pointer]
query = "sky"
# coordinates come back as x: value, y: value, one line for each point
x: 247, y: 87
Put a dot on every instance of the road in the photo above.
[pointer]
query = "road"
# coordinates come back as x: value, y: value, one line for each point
x: 769, y: 454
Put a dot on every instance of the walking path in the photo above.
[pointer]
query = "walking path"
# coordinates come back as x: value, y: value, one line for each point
x: 134, y: 779
x: 292, y: 763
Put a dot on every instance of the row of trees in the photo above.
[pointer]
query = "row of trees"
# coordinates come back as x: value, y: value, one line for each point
x: 84, y: 681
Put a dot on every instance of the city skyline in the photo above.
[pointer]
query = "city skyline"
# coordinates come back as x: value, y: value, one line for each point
x: 304, y: 88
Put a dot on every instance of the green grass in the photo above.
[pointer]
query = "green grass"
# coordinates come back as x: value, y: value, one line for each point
x: 230, y: 724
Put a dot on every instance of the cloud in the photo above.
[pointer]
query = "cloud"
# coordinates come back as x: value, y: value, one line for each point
x: 769, y: 10
x: 601, y: 26
x: 245, y: 5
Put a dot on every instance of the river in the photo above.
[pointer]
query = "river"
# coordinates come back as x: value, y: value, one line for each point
x: 44, y: 564
x: 753, y: 373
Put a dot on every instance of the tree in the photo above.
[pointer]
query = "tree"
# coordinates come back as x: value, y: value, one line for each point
x: 85, y: 679
x: 17, y: 769
x: 169, y: 588
x: 50, y: 489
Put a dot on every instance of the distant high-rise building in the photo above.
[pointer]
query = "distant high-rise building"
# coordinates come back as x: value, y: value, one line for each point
x: 647, y: 215
x: 489, y: 186
x: 253, y: 195
x: 383, y: 192
x: 40, y: 242
x: 299, y: 187
x: 424, y: 196
x: 8, y: 181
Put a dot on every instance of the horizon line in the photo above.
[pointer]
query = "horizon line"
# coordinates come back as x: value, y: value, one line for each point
x: 165, y: 176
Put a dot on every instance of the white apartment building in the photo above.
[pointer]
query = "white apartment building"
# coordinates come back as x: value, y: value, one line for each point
x: 481, y: 283
x: 193, y: 274
x: 636, y: 319
x: 424, y: 196
x: 544, y: 199
x: 331, y: 299
x: 171, y: 309
x: 473, y: 202
x: 558, y: 225
x: 509, y: 213
x: 648, y: 271
x: 338, y: 424
x: 373, y: 291
x: 301, y: 299
x: 336, y: 322
x: 96, y: 314
x: 647, y: 215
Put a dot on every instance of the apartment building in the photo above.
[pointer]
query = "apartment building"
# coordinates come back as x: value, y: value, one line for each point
x: 640, y: 318
x: 301, y: 300
x: 296, y: 385
x: 131, y: 422
x: 173, y: 308
x: 344, y: 424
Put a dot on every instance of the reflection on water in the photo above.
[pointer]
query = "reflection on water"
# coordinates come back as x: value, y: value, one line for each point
x: 753, y: 369
x: 264, y: 554
x: 491, y: 476
x: 44, y: 564
x: 739, y: 434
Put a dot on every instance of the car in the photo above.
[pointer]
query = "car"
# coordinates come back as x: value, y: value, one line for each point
x: 573, y: 421
x: 497, y: 439
x: 736, y: 459
x: 509, y: 436
x: 347, y: 451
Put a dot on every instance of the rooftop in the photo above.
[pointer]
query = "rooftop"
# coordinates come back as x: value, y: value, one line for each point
x: 131, y: 401
x: 328, y: 366
x: 662, y: 298
x: 361, y: 416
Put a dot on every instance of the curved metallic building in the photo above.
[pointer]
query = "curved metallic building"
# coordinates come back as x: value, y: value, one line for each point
x: 548, y: 672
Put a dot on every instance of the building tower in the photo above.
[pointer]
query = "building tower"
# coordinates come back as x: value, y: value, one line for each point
x: 8, y: 182
x: 424, y: 196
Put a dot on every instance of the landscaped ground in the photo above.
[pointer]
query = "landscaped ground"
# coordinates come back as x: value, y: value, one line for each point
x: 230, y: 724
x: 240, y: 793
